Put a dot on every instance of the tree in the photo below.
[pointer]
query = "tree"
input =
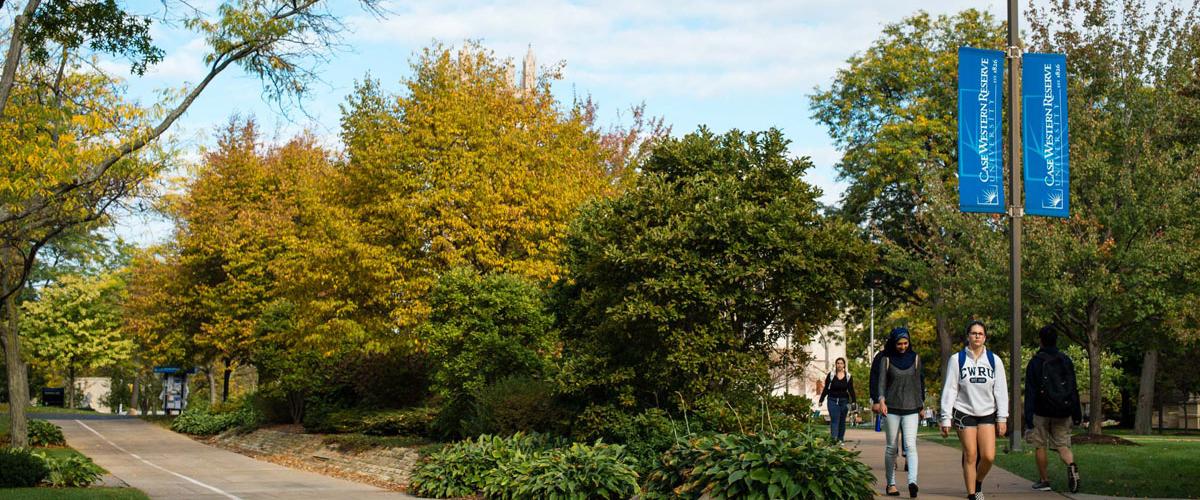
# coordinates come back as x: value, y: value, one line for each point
x: 892, y: 113
x: 75, y: 325
x: 462, y: 169
x: 1120, y: 267
x: 73, y: 149
x: 682, y: 285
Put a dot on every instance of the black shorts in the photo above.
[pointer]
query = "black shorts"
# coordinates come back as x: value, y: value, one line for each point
x: 962, y: 420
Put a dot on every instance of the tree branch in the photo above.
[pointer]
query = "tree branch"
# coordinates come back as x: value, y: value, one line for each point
x: 15, y: 46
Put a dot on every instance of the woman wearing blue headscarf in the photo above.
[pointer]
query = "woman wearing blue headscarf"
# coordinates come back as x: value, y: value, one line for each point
x: 902, y: 395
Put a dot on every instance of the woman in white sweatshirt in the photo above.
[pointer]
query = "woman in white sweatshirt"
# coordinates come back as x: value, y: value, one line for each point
x: 975, y: 401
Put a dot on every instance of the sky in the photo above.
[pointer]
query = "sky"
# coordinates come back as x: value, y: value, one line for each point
x: 750, y: 65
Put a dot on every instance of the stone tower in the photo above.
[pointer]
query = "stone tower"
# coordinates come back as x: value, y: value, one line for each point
x: 529, y: 72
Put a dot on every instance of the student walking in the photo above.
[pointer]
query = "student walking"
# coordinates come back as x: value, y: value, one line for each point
x: 902, y: 395
x: 840, y: 390
x: 975, y: 401
x: 1052, y: 407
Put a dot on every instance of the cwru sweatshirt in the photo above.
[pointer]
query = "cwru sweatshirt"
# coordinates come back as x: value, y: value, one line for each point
x: 975, y: 388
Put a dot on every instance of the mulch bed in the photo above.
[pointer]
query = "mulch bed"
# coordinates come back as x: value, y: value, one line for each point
x: 1101, y: 439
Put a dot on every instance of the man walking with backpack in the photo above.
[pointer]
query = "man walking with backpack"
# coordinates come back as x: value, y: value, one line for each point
x: 1052, y: 407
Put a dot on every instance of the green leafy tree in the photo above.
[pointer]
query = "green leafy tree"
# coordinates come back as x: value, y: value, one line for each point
x: 75, y: 326
x: 1122, y: 267
x: 892, y: 112
x: 681, y: 286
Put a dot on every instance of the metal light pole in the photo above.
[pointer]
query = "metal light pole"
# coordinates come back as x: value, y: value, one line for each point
x: 1016, y: 212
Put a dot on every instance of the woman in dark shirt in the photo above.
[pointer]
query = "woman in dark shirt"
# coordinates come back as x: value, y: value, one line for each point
x: 840, y: 391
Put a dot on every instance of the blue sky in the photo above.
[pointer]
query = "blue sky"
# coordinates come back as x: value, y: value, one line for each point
x: 749, y: 65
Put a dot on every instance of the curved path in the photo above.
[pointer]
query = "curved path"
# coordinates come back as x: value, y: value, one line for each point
x: 164, y: 464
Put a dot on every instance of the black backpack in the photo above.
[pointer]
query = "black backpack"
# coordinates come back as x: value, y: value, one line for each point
x: 1054, y: 398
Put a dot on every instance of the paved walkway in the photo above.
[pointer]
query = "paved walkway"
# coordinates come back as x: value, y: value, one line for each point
x: 941, y: 471
x: 164, y: 464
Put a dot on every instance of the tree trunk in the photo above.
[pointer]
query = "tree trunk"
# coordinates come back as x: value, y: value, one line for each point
x: 133, y: 398
x: 295, y: 401
x: 1095, y: 399
x: 71, y: 385
x: 18, y: 378
x: 1145, y: 405
x: 225, y: 386
x: 15, y: 47
x: 945, y: 342
x: 212, y: 384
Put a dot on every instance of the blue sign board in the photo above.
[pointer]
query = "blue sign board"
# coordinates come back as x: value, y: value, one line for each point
x: 1044, y: 110
x: 980, y: 165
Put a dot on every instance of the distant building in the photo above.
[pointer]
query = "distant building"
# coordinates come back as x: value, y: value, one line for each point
x: 93, y: 391
x: 825, y: 347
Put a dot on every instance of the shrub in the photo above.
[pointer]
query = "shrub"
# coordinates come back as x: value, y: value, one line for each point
x: 716, y: 414
x: 19, y: 468
x: 71, y: 471
x: 408, y: 422
x: 782, y: 464
x: 324, y: 419
x: 645, y: 436
x: 460, y: 469
x: 515, y: 404
x: 43, y: 433
x: 202, y: 420
x: 373, y: 379
x: 598, y: 471
x: 483, y: 328
x: 792, y: 405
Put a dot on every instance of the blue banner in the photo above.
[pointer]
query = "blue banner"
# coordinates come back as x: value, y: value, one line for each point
x: 980, y: 95
x: 1044, y: 111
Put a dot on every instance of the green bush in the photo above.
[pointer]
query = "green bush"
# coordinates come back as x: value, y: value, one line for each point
x: 325, y: 419
x: 792, y: 405
x: 407, y: 422
x: 599, y: 471
x: 483, y: 328
x: 460, y: 469
x: 71, y: 471
x: 515, y: 404
x: 201, y: 420
x: 19, y: 468
x: 781, y: 464
x: 716, y: 414
x: 645, y: 436
x: 43, y: 433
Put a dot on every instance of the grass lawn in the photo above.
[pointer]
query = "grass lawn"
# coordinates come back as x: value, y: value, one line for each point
x: 1163, y: 466
x: 71, y: 493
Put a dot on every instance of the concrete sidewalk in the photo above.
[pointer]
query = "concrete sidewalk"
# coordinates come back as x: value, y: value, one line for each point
x: 940, y: 471
x: 164, y: 464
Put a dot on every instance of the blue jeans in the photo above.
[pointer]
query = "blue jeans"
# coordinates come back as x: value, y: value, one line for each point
x: 838, y: 409
x: 907, y: 426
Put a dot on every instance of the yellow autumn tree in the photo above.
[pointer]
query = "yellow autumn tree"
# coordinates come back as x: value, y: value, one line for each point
x: 463, y: 168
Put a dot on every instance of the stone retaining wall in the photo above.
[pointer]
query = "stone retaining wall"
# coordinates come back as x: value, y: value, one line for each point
x: 389, y: 467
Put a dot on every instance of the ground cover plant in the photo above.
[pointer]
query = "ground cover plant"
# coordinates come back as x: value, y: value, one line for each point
x: 43, y: 433
x: 778, y: 464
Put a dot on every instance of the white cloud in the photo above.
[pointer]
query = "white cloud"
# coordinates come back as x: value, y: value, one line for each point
x: 704, y: 48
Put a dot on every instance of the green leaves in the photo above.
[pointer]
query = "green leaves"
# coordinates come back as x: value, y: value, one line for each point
x: 682, y: 283
x: 783, y: 464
